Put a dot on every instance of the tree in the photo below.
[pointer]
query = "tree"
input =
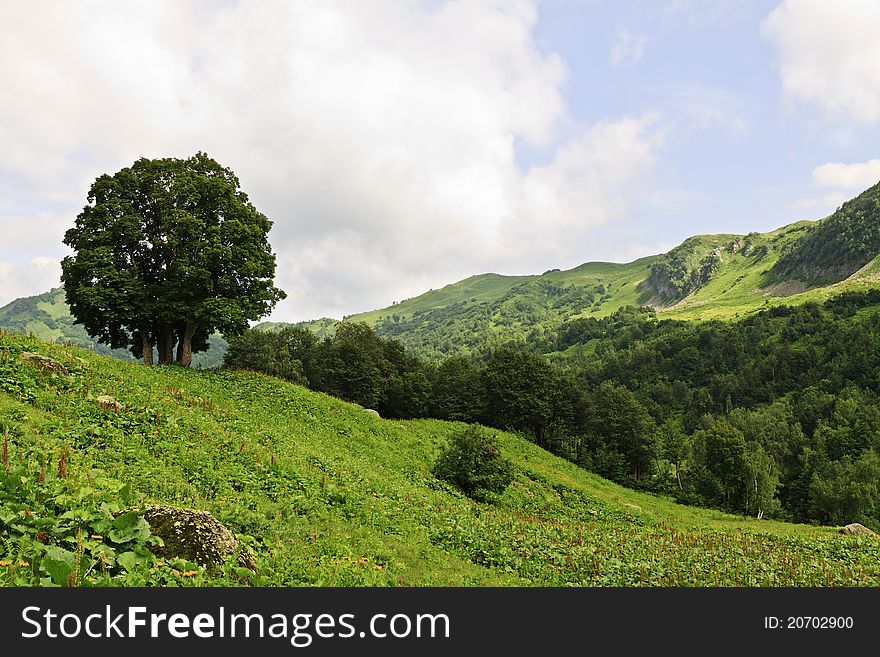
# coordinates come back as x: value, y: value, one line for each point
x: 676, y: 446
x: 456, y: 393
x: 472, y: 461
x: 725, y: 454
x: 622, y: 425
x: 349, y: 365
x: 518, y: 392
x: 167, y: 251
x: 280, y: 353
x: 762, y: 483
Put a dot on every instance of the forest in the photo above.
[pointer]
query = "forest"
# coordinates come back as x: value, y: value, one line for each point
x: 776, y: 415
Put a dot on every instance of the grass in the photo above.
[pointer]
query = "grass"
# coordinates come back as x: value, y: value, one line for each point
x: 327, y: 495
x: 739, y: 287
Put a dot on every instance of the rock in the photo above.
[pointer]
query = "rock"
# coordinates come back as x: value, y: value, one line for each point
x: 109, y: 402
x: 373, y: 413
x: 593, y: 512
x: 42, y: 363
x: 855, y: 529
x: 195, y: 535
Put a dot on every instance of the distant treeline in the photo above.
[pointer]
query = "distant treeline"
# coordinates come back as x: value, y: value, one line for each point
x: 775, y: 415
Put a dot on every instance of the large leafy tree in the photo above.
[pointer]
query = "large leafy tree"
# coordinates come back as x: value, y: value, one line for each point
x: 168, y: 251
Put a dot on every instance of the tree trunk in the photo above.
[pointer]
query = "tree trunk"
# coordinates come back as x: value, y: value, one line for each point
x: 678, y: 476
x: 148, y: 348
x: 166, y: 347
x: 184, y: 345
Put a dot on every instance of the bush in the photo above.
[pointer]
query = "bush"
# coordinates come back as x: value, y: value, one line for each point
x: 472, y: 461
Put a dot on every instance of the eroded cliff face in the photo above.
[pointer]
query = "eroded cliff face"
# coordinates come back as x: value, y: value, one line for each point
x: 674, y: 278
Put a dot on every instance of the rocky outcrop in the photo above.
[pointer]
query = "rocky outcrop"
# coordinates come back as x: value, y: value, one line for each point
x: 195, y: 535
x: 372, y: 412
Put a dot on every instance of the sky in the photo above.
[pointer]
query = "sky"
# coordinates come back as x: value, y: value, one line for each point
x: 402, y: 145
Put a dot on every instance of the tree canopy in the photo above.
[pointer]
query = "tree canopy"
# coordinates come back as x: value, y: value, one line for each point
x: 169, y: 251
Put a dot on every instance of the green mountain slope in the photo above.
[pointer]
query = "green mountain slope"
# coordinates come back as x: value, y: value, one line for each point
x: 706, y: 277
x: 326, y: 494
x: 840, y: 245
x: 47, y: 316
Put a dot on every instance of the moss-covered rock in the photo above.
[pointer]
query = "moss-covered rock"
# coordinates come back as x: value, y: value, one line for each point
x: 43, y: 364
x: 855, y: 529
x: 109, y: 402
x: 195, y: 535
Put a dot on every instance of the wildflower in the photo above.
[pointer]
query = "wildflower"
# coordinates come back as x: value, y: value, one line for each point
x: 23, y: 564
x: 5, y: 563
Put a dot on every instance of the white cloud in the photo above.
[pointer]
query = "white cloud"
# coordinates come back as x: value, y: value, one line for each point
x: 829, y: 54
x: 858, y: 175
x: 28, y: 278
x: 627, y: 48
x: 825, y: 204
x: 379, y: 137
x: 709, y: 107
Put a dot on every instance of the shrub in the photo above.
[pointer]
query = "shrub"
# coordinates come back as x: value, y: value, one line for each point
x: 472, y: 461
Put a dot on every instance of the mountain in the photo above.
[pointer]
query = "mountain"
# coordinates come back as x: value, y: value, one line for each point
x: 838, y: 246
x: 325, y: 494
x: 706, y: 277
x: 47, y: 316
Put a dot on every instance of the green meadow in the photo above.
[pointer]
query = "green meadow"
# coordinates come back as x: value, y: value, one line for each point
x: 324, y: 494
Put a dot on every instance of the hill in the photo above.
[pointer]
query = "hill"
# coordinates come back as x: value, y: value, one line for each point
x: 706, y: 277
x: 325, y: 494
x: 839, y: 246
x: 47, y: 316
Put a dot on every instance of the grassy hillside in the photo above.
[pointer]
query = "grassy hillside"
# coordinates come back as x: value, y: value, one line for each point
x: 706, y: 277
x: 47, y: 316
x: 326, y: 494
x: 839, y: 246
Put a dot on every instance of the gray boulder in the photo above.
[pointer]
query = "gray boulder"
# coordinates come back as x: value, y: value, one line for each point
x: 195, y: 535
x: 855, y: 529
x: 43, y: 364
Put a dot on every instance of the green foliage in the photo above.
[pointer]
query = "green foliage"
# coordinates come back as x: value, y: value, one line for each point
x: 847, y: 490
x: 279, y: 353
x: 619, y: 424
x: 473, y: 462
x: 840, y: 245
x: 64, y: 529
x: 325, y: 495
x: 518, y: 392
x: 168, y: 250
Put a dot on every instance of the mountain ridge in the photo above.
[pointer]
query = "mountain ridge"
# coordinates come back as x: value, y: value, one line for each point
x: 713, y: 276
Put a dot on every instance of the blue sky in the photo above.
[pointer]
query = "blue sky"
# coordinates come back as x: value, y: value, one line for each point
x: 402, y: 145
x: 739, y: 153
